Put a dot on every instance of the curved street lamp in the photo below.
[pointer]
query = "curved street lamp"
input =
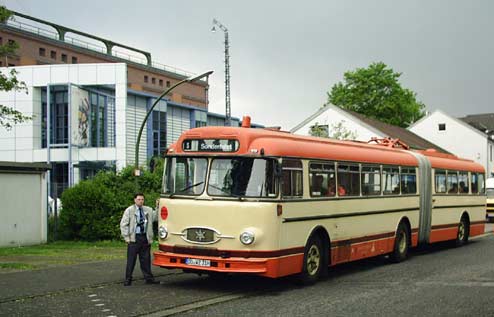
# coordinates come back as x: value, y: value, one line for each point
x: 166, y: 92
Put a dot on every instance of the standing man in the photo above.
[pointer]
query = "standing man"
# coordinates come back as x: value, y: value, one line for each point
x: 136, y: 227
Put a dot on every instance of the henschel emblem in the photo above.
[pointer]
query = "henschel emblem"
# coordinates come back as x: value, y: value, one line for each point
x: 200, y: 235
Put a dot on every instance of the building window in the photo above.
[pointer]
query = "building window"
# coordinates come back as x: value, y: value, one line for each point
x: 167, y: 83
x: 98, y: 120
x: 442, y: 126
x: 53, y: 54
x: 42, y: 51
x: 159, y: 132
x: 11, y: 42
x: 161, y: 82
x: 153, y: 81
x: 58, y: 116
x: 64, y: 58
x: 201, y: 119
x: 1, y: 41
x: 146, y: 79
x: 74, y: 60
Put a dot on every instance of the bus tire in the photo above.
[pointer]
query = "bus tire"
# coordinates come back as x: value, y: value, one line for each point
x: 463, y: 232
x: 401, y: 245
x: 313, y: 261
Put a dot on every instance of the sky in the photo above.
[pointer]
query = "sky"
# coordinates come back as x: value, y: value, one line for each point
x: 286, y: 55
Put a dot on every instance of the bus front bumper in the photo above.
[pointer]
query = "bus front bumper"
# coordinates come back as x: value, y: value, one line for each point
x: 268, y: 267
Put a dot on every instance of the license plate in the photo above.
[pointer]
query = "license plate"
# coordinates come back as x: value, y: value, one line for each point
x: 197, y: 262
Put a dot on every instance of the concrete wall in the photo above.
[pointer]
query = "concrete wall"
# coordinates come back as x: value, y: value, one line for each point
x: 24, y: 205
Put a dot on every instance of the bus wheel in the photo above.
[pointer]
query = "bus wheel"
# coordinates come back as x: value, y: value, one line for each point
x: 463, y: 232
x: 401, y: 246
x: 313, y: 261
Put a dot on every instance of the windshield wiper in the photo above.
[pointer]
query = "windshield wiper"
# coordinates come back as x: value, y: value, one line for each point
x: 184, y: 189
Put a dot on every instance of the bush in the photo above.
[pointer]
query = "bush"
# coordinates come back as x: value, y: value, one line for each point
x: 93, y: 208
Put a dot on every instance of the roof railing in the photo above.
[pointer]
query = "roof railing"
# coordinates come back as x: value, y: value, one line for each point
x: 93, y: 47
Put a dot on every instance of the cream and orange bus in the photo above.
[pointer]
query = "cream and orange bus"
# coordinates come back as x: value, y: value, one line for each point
x: 258, y: 201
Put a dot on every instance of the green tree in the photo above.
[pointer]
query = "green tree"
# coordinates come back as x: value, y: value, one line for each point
x: 92, y: 209
x: 8, y: 80
x: 376, y: 93
x: 340, y: 132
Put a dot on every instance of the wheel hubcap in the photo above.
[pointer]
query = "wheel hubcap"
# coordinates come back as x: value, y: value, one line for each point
x: 313, y: 260
x: 461, y: 231
x: 402, y: 244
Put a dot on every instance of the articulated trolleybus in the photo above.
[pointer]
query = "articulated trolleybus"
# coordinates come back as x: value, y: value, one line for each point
x: 258, y: 201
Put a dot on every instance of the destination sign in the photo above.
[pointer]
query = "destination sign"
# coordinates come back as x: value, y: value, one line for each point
x: 210, y: 145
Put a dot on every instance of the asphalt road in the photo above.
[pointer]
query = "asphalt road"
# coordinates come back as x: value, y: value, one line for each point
x: 436, y: 281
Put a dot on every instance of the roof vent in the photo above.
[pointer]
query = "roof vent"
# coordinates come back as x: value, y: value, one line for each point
x: 246, y: 122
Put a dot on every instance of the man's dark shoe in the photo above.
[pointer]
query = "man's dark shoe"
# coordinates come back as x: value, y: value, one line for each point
x: 127, y: 282
x: 152, y: 282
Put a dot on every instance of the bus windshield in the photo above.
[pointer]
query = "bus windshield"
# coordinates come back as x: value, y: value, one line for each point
x: 185, y: 175
x: 242, y: 177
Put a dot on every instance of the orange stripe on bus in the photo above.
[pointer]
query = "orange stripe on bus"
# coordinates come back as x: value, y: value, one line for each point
x: 357, y: 251
x: 443, y: 234
x: 477, y: 229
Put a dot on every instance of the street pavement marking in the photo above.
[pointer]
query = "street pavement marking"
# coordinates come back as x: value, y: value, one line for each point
x: 464, y: 284
x: 99, y: 305
x: 199, y: 304
x: 92, y: 295
x: 96, y: 300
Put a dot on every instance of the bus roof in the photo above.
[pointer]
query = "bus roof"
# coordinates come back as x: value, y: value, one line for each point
x: 255, y: 142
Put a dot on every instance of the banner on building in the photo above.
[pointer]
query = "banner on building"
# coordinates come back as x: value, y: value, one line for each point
x: 79, y: 106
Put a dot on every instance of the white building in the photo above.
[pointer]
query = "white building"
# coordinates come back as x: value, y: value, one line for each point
x: 94, y: 118
x: 458, y: 137
x: 333, y: 119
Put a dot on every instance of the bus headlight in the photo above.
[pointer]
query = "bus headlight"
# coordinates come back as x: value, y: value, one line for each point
x: 163, y: 232
x: 247, y: 237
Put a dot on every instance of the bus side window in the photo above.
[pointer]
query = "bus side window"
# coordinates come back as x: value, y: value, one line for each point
x: 408, y: 180
x: 478, y: 185
x: 371, y: 180
x: 440, y: 180
x: 463, y: 182
x: 452, y: 182
x: 322, y: 180
x: 348, y: 180
x: 292, y: 179
x: 391, y: 180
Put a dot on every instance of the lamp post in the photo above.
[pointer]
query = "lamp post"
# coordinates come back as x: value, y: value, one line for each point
x: 166, y: 92
x: 227, y: 70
